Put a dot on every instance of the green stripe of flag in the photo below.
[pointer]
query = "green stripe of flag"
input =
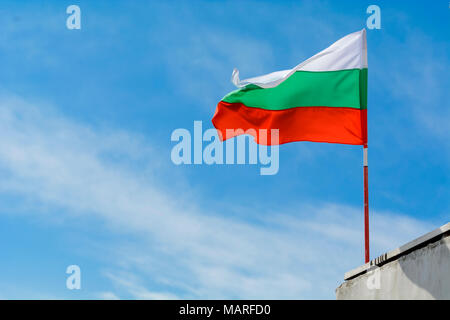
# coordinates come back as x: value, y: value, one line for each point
x: 342, y: 88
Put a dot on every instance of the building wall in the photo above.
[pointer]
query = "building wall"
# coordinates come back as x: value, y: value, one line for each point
x: 421, y: 274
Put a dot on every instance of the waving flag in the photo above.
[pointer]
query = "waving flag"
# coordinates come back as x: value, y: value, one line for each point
x: 323, y: 99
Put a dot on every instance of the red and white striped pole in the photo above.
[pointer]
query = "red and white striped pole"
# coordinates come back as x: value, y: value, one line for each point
x: 366, y: 204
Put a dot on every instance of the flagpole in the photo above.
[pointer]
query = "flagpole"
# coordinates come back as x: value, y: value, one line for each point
x: 366, y: 204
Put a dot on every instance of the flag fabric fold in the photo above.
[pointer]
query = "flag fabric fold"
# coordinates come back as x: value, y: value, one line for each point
x: 323, y: 99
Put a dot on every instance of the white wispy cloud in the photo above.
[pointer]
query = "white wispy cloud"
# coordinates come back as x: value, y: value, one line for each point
x: 181, y: 248
x: 131, y: 284
x: 107, y: 295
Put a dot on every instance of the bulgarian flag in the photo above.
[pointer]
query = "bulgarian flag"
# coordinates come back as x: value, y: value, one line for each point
x: 323, y: 99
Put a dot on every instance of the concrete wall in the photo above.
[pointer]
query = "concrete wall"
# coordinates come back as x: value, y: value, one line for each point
x: 421, y: 274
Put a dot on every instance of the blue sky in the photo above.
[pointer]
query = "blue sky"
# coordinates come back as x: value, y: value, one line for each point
x: 85, y: 171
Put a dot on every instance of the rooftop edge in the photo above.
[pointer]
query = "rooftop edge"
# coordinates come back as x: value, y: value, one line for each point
x: 420, y: 242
